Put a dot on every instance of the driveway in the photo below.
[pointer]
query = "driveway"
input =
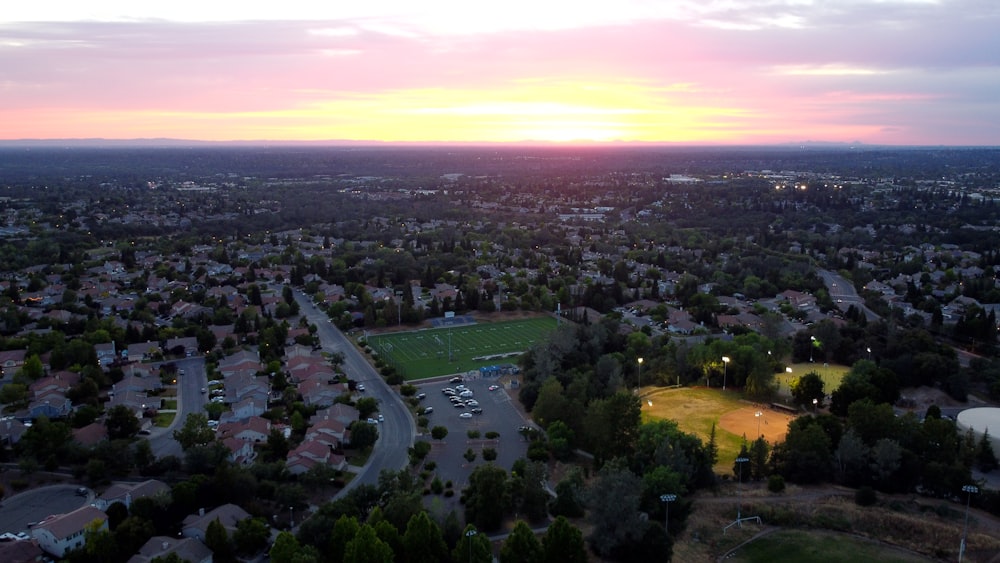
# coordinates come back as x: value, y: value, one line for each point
x: 35, y: 504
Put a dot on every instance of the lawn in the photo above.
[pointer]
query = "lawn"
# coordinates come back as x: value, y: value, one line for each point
x: 832, y: 375
x: 696, y: 409
x: 163, y: 419
x: 440, y: 351
x: 819, y: 547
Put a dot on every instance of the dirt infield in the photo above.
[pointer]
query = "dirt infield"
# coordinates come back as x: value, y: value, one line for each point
x: 743, y: 422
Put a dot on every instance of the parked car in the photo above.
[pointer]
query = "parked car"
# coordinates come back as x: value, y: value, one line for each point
x: 494, y: 387
x: 361, y: 387
x: 465, y: 415
x: 421, y: 396
x: 459, y: 405
x: 456, y: 379
x: 448, y: 391
x: 82, y: 491
x: 428, y: 410
x: 472, y: 403
x: 381, y: 418
x: 465, y: 394
x: 477, y: 410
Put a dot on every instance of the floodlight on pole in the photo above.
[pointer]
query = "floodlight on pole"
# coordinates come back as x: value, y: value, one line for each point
x: 725, y: 369
x: 739, y: 499
x: 666, y: 500
x: 758, y: 416
x: 811, y: 346
x: 469, y: 535
x: 968, y: 490
x: 639, y: 378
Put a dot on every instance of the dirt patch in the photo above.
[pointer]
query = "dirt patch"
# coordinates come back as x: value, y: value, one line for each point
x: 772, y: 424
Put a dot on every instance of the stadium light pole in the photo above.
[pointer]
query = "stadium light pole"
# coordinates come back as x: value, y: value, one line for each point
x: 968, y: 489
x: 758, y: 415
x: 667, y: 499
x: 725, y: 370
x: 469, y: 535
x: 639, y: 379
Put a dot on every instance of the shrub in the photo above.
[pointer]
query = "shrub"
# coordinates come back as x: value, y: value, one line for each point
x: 489, y: 454
x: 776, y: 483
x: 865, y: 496
x: 472, y: 434
x: 492, y: 435
x: 430, y: 465
x: 437, y: 486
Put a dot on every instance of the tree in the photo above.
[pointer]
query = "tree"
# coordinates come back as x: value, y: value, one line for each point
x: 366, y: 406
x: 612, y: 425
x: 366, y: 547
x: 251, y: 536
x: 217, y: 539
x: 423, y: 540
x: 808, y: 387
x: 439, y: 432
x: 487, y: 497
x: 286, y: 549
x: 121, y: 422
x: 363, y: 435
x: 344, y: 530
x: 986, y: 458
x: 613, y: 500
x: 563, y: 543
x: 194, y: 432
x: 521, y: 546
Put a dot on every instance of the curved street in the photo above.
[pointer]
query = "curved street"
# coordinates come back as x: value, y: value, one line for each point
x: 397, y: 432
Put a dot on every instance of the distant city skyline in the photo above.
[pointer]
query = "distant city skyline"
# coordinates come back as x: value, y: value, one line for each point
x: 894, y: 72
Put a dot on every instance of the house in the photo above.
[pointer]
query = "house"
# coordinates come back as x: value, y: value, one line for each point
x: 11, y: 430
x: 195, y: 525
x: 241, y: 452
x: 310, y: 454
x: 106, y: 354
x: 64, y: 532
x: 11, y: 361
x: 252, y: 429
x: 328, y: 432
x: 186, y: 346
x: 90, y: 434
x: 242, y: 361
x: 319, y: 392
x: 345, y: 414
x: 141, y: 351
x: 161, y: 547
x: 125, y: 493
x: 21, y: 552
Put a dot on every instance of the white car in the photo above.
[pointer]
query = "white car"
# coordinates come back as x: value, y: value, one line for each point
x: 465, y: 415
x: 472, y: 403
x: 381, y: 418
x: 361, y: 387
x: 465, y: 394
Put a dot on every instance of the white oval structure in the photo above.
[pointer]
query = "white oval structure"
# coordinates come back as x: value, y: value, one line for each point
x: 981, y: 420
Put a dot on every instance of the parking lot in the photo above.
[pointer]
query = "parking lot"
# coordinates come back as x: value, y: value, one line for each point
x: 498, y: 415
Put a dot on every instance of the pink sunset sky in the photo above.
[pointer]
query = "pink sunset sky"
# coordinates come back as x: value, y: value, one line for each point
x: 903, y: 72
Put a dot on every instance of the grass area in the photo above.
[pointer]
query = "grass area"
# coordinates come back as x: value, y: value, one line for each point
x: 440, y: 351
x: 170, y: 404
x: 832, y: 375
x: 696, y: 410
x: 819, y: 547
x: 164, y: 419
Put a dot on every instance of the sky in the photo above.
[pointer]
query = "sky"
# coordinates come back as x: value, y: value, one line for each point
x: 894, y: 72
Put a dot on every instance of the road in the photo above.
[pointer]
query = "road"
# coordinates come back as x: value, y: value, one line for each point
x: 397, y: 432
x: 189, y: 400
x: 843, y: 294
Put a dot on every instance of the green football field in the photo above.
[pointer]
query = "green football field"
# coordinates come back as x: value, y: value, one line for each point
x: 440, y: 351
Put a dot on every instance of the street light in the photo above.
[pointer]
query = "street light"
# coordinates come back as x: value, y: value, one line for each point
x: 666, y: 500
x: 725, y: 368
x: 758, y: 414
x: 469, y: 535
x: 815, y: 402
x: 639, y: 384
x: 968, y: 489
x: 811, y: 346
x: 291, y: 517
